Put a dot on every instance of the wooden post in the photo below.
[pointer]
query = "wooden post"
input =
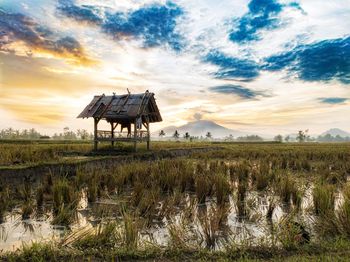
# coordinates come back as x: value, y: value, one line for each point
x: 148, y: 134
x: 135, y: 135
x: 112, y: 134
x: 95, y: 133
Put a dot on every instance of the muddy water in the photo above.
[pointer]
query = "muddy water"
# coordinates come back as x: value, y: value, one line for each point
x: 15, y: 232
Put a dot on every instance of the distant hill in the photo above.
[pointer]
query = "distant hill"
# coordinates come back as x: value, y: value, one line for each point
x: 336, y: 132
x: 200, y: 128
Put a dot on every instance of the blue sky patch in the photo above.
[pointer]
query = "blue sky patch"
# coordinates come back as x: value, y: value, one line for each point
x: 231, y: 67
x: 238, y: 90
x: 322, y: 61
x: 333, y: 100
x: 154, y: 25
x: 83, y: 13
x: 262, y: 14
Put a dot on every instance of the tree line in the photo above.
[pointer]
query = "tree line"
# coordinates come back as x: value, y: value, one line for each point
x: 208, y: 136
x: 303, y: 136
x: 67, y: 134
x: 83, y: 134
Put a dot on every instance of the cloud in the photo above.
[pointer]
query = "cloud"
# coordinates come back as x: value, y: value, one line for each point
x: 21, y: 28
x: 153, y: 24
x: 262, y: 14
x: 232, y: 68
x: 238, y: 90
x: 83, y: 13
x: 333, y: 100
x: 322, y: 61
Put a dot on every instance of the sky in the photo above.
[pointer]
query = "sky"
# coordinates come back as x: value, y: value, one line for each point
x: 261, y: 66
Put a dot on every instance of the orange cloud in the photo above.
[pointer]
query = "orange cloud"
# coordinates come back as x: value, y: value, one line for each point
x: 22, y: 34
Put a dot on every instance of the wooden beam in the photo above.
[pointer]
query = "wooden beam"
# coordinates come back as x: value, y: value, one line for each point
x: 135, y: 135
x: 112, y: 133
x: 95, y: 133
x: 148, y: 133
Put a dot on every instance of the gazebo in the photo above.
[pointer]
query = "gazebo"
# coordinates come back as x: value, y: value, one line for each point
x: 126, y: 111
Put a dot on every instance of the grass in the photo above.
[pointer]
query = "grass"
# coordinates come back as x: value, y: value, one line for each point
x: 324, y: 199
x: 27, y: 209
x: 131, y: 231
x: 203, y: 187
x: 193, y: 200
x: 39, y: 196
x: 343, y: 213
x: 4, y: 203
x: 288, y: 189
x: 102, y: 237
x: 338, y: 250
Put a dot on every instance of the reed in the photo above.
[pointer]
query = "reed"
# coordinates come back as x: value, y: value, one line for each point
x: 39, y: 195
x: 286, y: 188
x: 92, y: 191
x: 222, y: 188
x: 261, y: 177
x: 4, y: 202
x: 297, y: 197
x: 203, y: 187
x: 25, y: 191
x: 323, y: 199
x: 168, y: 173
x: 271, y: 207
x: 64, y: 216
x: 180, y: 235
x: 27, y: 209
x: 242, y: 190
x: 243, y: 171
x: 343, y: 213
x: 292, y: 234
x: 210, y: 227
x: 131, y: 231
x: 48, y: 182
x: 104, y: 236
x: 64, y: 194
x: 148, y: 203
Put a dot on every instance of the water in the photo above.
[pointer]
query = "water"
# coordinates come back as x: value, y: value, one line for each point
x: 15, y: 232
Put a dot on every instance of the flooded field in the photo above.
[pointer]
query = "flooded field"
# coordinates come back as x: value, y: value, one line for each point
x: 284, y: 197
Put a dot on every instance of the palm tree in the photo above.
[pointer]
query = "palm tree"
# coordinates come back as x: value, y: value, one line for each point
x: 176, y: 135
x: 208, y: 135
x: 161, y: 133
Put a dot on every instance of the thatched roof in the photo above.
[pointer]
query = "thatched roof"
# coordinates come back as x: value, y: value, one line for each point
x: 123, y: 108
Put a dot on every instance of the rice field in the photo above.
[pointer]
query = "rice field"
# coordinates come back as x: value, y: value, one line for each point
x: 244, y: 201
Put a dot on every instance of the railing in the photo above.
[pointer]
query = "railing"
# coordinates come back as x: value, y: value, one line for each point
x: 104, y: 134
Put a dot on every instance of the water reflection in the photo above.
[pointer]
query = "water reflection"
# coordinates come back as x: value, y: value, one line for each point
x: 248, y: 220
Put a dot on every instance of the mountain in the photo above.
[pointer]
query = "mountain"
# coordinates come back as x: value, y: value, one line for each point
x: 336, y: 132
x: 200, y: 128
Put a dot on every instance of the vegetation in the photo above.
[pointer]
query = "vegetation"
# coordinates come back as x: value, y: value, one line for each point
x: 294, y: 197
x: 10, y: 133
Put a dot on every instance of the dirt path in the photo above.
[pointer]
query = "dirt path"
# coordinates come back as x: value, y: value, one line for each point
x: 16, y: 174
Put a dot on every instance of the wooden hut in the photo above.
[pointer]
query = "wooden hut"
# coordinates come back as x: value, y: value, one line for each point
x: 131, y: 112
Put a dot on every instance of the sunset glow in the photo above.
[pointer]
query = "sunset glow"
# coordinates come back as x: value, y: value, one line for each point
x: 257, y: 66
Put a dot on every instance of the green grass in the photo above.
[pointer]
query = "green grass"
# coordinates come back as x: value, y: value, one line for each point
x: 338, y: 250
